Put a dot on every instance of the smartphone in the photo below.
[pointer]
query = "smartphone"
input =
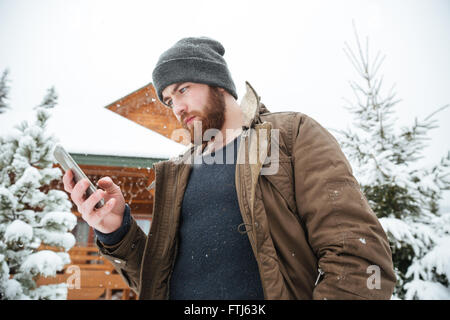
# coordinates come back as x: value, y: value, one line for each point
x: 67, y: 162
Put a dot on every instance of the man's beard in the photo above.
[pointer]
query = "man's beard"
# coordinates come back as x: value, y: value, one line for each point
x: 212, y: 117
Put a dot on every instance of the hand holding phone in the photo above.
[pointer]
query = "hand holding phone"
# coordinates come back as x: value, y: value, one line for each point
x: 101, y: 208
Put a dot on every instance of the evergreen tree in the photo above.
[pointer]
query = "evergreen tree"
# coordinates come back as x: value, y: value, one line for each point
x: 50, y: 99
x: 4, y: 91
x: 404, y: 195
x: 31, y: 214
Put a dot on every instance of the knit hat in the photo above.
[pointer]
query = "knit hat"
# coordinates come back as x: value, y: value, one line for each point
x: 192, y: 59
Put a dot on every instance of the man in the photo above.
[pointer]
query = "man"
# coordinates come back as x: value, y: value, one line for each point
x: 282, y: 217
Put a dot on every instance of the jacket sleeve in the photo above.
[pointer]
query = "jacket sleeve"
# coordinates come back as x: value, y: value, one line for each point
x: 350, y: 244
x: 126, y: 256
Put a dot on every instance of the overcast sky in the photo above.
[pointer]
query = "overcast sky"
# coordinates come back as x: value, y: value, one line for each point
x: 95, y: 52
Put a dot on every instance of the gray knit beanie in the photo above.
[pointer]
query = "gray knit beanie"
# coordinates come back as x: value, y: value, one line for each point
x: 192, y: 59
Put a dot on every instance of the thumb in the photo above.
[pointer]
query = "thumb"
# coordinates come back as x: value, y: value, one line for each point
x: 107, y: 184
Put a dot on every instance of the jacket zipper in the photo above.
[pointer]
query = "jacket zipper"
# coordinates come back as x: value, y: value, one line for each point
x: 166, y: 249
x: 169, y: 278
x: 244, y: 140
x: 318, y: 277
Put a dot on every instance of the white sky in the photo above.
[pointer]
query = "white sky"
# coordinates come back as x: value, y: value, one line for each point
x: 95, y: 52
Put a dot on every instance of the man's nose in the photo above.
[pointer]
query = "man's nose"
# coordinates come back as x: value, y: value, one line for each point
x: 179, y: 108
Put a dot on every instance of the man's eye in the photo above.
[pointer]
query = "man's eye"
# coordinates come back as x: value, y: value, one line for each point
x: 169, y: 102
x: 182, y: 90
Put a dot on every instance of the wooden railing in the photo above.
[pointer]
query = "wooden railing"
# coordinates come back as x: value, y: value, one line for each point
x: 89, y: 276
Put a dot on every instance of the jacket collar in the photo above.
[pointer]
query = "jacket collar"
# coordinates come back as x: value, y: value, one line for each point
x: 250, y: 105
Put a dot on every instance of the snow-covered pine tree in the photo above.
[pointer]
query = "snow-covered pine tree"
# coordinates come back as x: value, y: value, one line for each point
x: 50, y: 100
x: 4, y: 91
x: 31, y: 214
x: 402, y: 193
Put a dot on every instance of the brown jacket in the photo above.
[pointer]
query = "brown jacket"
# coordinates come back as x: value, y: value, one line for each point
x: 311, y: 229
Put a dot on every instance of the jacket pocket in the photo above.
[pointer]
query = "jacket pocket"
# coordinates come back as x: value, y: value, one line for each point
x: 283, y: 181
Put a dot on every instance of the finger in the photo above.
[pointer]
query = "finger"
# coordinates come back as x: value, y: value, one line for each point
x: 107, y: 207
x: 95, y: 217
x: 90, y: 203
x: 68, y: 181
x: 107, y: 184
x: 79, y: 191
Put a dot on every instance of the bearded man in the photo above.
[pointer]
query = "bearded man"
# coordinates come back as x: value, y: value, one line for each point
x: 284, y: 219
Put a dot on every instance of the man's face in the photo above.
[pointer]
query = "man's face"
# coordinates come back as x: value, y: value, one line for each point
x: 196, y: 103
